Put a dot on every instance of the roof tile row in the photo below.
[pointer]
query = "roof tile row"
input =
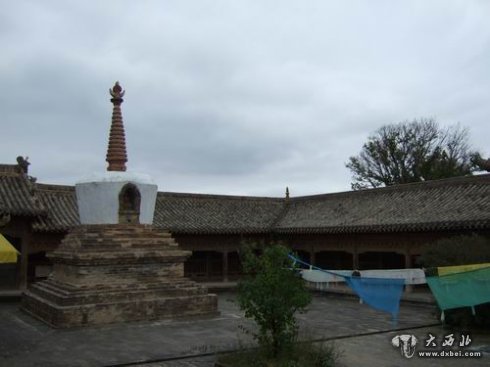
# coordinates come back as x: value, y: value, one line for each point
x: 462, y: 203
x: 18, y: 197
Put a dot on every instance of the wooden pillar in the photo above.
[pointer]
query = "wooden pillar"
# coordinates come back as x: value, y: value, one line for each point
x: 24, y: 259
x: 355, y: 258
x: 312, y: 256
x: 225, y: 266
x: 408, y: 265
x: 208, y: 266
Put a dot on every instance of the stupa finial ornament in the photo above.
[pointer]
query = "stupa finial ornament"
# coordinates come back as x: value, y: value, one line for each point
x: 117, y: 92
x: 116, y: 151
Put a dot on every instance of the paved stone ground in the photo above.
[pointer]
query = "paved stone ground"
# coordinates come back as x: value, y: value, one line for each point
x: 376, y: 350
x: 27, y: 342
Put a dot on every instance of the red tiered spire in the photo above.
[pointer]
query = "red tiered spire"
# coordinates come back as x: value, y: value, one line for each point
x: 116, y: 151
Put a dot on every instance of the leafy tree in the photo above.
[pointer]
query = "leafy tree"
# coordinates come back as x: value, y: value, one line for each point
x: 481, y: 163
x: 271, y: 293
x: 410, y: 152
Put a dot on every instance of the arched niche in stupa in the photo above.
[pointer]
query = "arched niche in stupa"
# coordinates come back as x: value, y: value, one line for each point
x: 129, y: 204
x: 110, y: 197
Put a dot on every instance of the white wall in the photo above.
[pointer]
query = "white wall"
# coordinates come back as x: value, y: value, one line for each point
x: 98, y: 197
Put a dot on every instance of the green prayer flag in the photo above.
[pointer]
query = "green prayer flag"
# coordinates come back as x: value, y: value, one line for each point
x: 465, y: 289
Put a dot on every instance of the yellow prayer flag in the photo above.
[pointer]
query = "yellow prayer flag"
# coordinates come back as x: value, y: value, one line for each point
x: 8, y: 253
x: 445, y: 270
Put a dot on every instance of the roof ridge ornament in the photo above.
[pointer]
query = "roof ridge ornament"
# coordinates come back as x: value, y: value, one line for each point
x: 116, y: 150
x: 23, y: 165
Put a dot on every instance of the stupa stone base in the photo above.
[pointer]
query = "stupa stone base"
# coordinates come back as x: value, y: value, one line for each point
x: 117, y: 273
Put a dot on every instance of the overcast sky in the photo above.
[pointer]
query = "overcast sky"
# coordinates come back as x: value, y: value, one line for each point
x: 235, y: 97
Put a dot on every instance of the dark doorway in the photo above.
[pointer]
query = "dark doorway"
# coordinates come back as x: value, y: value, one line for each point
x: 129, y: 204
x: 333, y: 260
x: 303, y: 255
x: 39, y: 267
x: 381, y: 260
x: 234, y: 266
x: 204, y: 265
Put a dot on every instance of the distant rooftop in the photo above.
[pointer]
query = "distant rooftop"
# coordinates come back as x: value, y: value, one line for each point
x: 448, y: 204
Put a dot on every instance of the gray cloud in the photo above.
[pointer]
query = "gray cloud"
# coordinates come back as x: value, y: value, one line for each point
x: 235, y: 97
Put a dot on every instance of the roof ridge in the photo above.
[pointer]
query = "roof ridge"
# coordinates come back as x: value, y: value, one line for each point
x: 9, y: 170
x: 71, y: 188
x: 216, y: 196
x: 55, y: 187
x: 452, y: 181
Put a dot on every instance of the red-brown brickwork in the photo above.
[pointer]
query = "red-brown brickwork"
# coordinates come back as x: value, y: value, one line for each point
x: 116, y: 151
x: 113, y: 273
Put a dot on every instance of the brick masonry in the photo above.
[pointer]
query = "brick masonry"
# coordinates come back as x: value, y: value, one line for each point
x: 116, y: 273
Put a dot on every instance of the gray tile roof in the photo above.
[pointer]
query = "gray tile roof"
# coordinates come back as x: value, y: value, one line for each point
x: 61, y: 204
x: 450, y: 204
x: 434, y: 205
x: 198, y: 213
x: 17, y: 194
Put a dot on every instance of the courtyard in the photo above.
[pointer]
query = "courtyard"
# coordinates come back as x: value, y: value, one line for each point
x: 361, y: 333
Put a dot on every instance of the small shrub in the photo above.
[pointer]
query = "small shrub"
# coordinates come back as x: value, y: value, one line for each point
x: 270, y: 294
x: 323, y: 355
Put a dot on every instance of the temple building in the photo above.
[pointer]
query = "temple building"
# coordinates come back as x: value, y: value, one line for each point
x: 368, y: 229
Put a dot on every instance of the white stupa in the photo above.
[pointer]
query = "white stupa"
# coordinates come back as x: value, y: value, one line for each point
x: 116, y: 196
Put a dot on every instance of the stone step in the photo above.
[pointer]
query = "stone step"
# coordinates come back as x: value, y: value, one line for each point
x: 100, y: 257
x: 125, y: 242
x: 63, y: 297
x: 123, y: 311
x: 112, y: 273
x: 68, y: 288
